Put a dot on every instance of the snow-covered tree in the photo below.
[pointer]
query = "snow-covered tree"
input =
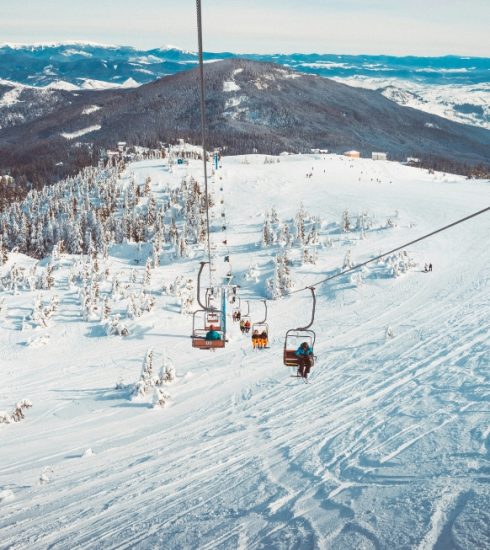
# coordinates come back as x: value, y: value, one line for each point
x: 345, y: 224
x: 347, y: 261
x: 267, y: 234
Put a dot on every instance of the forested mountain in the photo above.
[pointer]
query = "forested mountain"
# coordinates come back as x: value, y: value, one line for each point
x: 251, y: 106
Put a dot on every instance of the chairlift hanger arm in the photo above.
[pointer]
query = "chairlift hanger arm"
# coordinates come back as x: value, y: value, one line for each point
x: 312, y: 289
x: 265, y: 317
x: 199, y: 286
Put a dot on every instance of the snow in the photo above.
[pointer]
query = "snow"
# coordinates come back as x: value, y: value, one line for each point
x: 61, y: 85
x: 82, y: 132
x: 171, y: 47
x: 11, y: 97
x: 54, y: 44
x: 71, y: 51
x: 92, y: 84
x: 90, y: 109
x: 387, y: 447
x: 130, y: 83
x: 441, y: 99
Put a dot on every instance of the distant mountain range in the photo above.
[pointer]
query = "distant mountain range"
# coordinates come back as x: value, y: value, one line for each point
x: 457, y: 88
x: 251, y: 107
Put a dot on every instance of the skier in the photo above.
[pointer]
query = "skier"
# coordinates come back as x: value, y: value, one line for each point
x: 430, y: 267
x: 256, y: 339
x: 213, y: 334
x: 247, y: 326
x: 242, y: 325
x: 264, y: 339
x: 305, y: 358
x: 426, y: 268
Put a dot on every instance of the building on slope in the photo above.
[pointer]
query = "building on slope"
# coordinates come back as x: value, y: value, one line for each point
x: 352, y: 154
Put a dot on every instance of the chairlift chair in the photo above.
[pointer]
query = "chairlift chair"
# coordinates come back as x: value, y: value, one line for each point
x: 205, y: 319
x: 259, y: 328
x: 295, y: 337
x: 246, y: 317
x: 199, y: 334
x: 236, y: 309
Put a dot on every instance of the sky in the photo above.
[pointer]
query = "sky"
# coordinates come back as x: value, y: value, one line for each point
x: 396, y: 27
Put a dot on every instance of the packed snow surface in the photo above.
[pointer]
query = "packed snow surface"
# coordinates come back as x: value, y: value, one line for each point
x: 386, y: 447
x: 82, y: 132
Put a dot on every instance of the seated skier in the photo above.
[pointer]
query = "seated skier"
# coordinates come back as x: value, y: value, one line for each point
x: 264, y: 339
x: 213, y: 334
x: 305, y: 359
x: 256, y: 339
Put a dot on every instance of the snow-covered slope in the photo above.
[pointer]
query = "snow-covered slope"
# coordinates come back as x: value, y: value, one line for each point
x: 387, y: 447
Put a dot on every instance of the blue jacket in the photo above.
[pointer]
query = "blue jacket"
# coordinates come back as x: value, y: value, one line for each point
x: 213, y: 335
x: 300, y: 352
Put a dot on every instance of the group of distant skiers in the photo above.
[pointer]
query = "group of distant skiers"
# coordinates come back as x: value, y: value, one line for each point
x: 427, y: 267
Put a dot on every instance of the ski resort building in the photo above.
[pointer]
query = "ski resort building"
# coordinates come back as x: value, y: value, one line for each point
x: 379, y: 156
x: 352, y: 154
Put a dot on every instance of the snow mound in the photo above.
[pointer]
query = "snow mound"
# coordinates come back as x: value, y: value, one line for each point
x: 6, y: 496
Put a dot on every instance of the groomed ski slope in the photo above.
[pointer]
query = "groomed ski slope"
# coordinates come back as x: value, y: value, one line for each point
x: 386, y: 447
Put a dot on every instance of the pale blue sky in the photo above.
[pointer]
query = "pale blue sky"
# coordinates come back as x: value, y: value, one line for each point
x: 399, y: 27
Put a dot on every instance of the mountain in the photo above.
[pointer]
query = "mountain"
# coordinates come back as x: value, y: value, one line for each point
x: 451, y: 86
x: 250, y: 106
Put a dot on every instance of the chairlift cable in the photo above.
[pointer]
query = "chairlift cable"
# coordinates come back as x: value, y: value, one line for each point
x: 203, y: 129
x: 358, y: 266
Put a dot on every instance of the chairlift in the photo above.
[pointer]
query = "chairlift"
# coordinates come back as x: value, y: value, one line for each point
x: 295, y: 337
x: 236, y: 312
x: 207, y: 319
x: 260, y: 332
x: 245, y: 320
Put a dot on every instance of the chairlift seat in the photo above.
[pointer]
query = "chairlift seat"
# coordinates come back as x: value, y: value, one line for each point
x: 294, y: 338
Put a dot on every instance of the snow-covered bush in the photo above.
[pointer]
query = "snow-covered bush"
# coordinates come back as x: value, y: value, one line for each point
x: 167, y: 371
x: 115, y: 327
x: 160, y: 397
x: 17, y: 414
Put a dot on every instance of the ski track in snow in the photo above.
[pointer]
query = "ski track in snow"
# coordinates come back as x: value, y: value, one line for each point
x: 387, y: 447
